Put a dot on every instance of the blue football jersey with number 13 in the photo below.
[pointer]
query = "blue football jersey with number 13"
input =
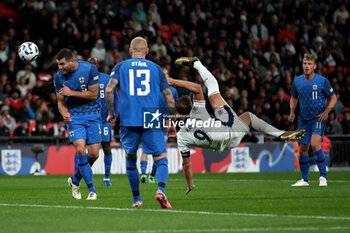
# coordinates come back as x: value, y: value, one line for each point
x: 141, y: 82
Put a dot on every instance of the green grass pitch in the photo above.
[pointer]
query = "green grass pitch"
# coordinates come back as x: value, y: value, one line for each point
x: 249, y: 202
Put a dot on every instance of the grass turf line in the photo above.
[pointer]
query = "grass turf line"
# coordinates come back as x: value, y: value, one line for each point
x: 263, y: 199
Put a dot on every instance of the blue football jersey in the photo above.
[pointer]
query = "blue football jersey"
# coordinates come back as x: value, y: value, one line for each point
x: 141, y: 82
x: 312, y: 95
x: 163, y: 108
x: 102, y: 85
x: 86, y: 75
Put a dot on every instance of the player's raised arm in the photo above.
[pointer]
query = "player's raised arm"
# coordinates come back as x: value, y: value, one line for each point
x: 195, y: 88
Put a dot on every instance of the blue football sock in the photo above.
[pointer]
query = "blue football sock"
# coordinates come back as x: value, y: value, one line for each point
x: 86, y: 172
x: 91, y: 160
x: 133, y: 176
x: 304, y: 167
x: 154, y: 170
x: 162, y: 173
x: 321, y: 163
x: 77, y: 176
x: 108, y: 163
x: 143, y: 167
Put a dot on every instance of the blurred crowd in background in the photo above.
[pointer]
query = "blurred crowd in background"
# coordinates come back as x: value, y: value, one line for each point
x: 253, y: 48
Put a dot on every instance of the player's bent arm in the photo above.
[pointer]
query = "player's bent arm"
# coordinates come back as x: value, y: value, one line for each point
x: 91, y: 93
x: 62, y: 108
x: 195, y: 88
x: 324, y: 115
x: 169, y: 101
x: 61, y: 104
x: 332, y: 102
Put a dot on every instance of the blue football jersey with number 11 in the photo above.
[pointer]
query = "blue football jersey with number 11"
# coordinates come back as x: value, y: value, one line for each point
x: 141, y: 82
x: 312, y: 95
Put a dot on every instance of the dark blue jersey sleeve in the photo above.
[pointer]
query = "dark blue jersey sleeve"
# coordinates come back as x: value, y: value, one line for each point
x: 328, y: 88
x: 163, y: 81
x: 93, y: 76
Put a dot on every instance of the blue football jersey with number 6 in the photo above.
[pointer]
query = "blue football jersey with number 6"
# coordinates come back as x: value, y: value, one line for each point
x: 312, y: 95
x: 102, y: 85
x: 85, y: 76
x: 141, y: 82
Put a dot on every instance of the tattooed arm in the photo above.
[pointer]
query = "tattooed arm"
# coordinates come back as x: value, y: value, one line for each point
x: 170, y: 102
x: 110, y: 100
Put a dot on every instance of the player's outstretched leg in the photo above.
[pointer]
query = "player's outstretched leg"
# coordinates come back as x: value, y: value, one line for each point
x: 186, y: 61
x: 256, y: 123
x: 292, y: 135
x: 207, y: 77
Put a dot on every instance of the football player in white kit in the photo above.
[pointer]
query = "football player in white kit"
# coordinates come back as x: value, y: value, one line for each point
x: 224, y: 131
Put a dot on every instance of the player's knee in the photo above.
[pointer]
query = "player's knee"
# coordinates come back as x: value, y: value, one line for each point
x: 81, y: 150
x: 94, y: 155
x: 303, y: 152
x: 315, y: 146
x: 162, y: 162
x: 130, y: 163
x: 106, y: 148
x: 247, y: 117
x: 316, y: 143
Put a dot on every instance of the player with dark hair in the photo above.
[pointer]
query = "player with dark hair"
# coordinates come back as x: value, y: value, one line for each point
x: 141, y: 82
x: 76, y: 86
x: 313, y: 90
x: 106, y: 128
x: 224, y: 131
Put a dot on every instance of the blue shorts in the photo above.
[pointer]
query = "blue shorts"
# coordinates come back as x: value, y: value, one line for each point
x: 152, y: 140
x: 85, y: 128
x: 311, y: 127
x: 106, y: 132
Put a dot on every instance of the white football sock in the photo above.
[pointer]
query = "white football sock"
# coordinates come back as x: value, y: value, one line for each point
x: 208, y: 79
x: 262, y: 126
